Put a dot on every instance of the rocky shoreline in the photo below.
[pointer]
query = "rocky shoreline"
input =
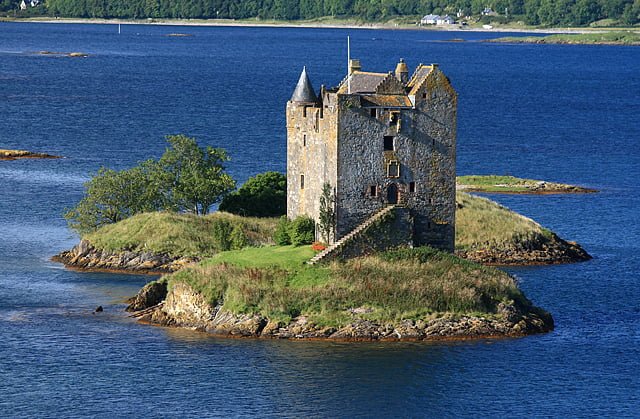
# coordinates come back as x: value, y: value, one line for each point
x: 542, y: 252
x: 84, y: 256
x: 539, y: 188
x: 182, y: 307
x: 23, y: 154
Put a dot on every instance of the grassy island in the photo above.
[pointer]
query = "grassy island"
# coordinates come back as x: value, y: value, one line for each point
x: 512, y: 184
x: 416, y: 293
x: 604, y: 38
x: 160, y: 242
x: 230, y: 279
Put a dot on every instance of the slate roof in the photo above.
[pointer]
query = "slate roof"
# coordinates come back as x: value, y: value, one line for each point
x: 304, y: 92
x: 418, y: 77
x: 362, y: 82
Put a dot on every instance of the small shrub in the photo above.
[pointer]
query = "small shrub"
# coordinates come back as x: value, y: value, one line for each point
x: 222, y: 230
x: 302, y: 230
x: 238, y: 238
x: 281, y: 235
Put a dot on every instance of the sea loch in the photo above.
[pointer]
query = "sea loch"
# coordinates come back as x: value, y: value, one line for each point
x: 562, y: 113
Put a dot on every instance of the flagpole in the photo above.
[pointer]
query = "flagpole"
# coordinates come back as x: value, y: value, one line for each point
x: 348, y: 64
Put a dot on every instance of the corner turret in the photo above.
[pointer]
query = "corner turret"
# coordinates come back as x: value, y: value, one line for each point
x: 304, y: 93
x: 402, y: 72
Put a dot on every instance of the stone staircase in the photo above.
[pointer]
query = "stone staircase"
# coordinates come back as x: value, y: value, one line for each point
x: 351, y: 235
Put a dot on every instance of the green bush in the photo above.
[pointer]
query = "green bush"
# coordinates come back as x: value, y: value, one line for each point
x: 302, y: 231
x: 238, y: 238
x: 281, y: 235
x: 222, y: 230
x: 264, y: 195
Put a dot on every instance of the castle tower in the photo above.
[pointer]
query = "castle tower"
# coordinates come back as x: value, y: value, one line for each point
x: 378, y: 139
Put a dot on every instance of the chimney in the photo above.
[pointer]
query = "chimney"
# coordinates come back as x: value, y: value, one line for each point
x: 402, y: 72
x: 354, y: 65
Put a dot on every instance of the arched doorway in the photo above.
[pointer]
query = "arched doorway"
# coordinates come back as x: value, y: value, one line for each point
x: 392, y: 194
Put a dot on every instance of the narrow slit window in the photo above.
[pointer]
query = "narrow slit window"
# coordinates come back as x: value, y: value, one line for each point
x: 388, y: 143
x: 412, y: 187
x: 373, y: 191
x: 304, y: 140
x: 301, y: 181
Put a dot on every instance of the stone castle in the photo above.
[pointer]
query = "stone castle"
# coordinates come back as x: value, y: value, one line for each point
x: 380, y: 140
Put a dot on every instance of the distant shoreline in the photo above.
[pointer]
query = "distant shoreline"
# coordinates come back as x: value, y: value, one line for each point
x: 307, y: 24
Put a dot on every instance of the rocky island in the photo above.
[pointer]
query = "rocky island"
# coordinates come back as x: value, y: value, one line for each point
x: 268, y: 291
x: 23, y: 154
x: 628, y: 38
x: 515, y: 185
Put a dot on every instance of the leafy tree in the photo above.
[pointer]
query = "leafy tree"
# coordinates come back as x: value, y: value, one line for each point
x: 186, y: 178
x: 195, y: 177
x: 327, y: 219
x: 264, y: 195
x: 112, y: 196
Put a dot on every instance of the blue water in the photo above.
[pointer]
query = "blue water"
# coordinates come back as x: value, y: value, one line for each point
x: 562, y: 113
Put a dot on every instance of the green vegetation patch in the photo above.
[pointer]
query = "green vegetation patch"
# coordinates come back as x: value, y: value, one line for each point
x: 482, y: 223
x: 183, y: 234
x: 607, y: 38
x: 409, y: 284
x: 494, y: 183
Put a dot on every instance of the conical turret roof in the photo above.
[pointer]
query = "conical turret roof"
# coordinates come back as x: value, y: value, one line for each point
x: 304, y: 92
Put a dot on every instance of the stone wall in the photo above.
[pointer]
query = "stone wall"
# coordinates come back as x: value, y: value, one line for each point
x: 311, y: 152
x: 342, y: 143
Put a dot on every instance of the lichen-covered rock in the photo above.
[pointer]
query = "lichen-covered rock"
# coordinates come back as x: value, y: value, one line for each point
x: 184, y: 307
x: 543, y: 252
x: 85, y: 256
x: 150, y: 295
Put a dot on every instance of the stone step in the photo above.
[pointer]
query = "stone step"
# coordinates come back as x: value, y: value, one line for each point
x: 353, y: 233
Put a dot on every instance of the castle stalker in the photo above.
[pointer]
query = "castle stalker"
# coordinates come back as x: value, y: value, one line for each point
x: 378, y: 139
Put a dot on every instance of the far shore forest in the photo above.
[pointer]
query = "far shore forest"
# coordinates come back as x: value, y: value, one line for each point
x: 531, y: 12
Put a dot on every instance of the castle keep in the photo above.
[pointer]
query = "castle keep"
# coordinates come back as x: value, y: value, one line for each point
x: 379, y: 140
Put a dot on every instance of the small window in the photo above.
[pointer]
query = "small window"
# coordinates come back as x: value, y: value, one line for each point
x: 373, y: 112
x: 393, y: 169
x: 373, y: 191
x: 388, y: 143
x: 393, y: 118
x: 304, y: 140
x: 304, y: 111
x: 424, y: 95
x: 412, y: 187
x: 301, y: 181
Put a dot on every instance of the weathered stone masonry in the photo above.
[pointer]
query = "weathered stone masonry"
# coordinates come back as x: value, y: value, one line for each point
x: 378, y: 139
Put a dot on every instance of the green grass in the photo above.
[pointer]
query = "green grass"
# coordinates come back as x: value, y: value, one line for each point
x: 616, y: 38
x: 493, y: 183
x: 482, y: 223
x: 409, y: 284
x: 177, y: 234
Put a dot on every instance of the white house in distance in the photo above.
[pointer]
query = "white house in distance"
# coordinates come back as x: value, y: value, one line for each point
x: 445, y: 20
x: 429, y: 20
